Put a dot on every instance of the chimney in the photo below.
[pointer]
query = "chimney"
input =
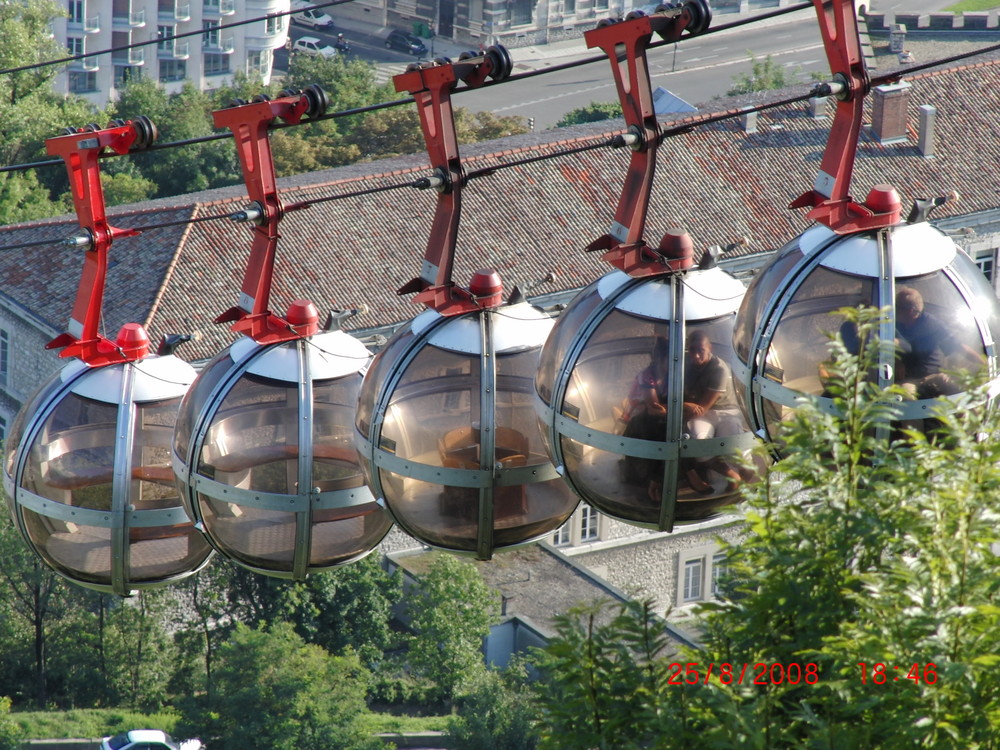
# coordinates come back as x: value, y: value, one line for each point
x: 926, y: 137
x: 817, y: 107
x: 897, y: 37
x: 749, y: 122
x: 889, y: 112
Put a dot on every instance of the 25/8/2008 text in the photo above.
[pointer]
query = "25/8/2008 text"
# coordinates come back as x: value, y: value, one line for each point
x: 761, y: 673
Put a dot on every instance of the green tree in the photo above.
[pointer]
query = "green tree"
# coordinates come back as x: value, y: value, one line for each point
x: 276, y: 692
x: 11, y: 736
x: 396, y: 131
x: 24, y: 198
x: 862, y: 549
x: 494, y: 711
x: 593, y: 112
x: 349, y: 608
x: 27, y: 38
x: 764, y: 75
x: 451, y: 613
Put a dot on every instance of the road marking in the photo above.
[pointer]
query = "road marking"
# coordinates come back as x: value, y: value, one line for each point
x: 654, y: 69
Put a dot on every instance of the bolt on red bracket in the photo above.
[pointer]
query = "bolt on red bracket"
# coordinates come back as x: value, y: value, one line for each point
x: 250, y: 124
x: 830, y: 199
x: 625, y: 43
x: 431, y: 85
x: 81, y: 149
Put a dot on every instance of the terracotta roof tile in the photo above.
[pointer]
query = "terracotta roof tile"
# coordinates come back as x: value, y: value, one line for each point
x: 716, y: 180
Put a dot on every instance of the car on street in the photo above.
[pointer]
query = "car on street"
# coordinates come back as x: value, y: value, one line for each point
x: 315, y: 19
x: 313, y: 46
x: 400, y: 40
x: 147, y: 739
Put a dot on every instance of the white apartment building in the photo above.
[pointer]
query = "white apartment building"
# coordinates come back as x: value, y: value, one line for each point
x: 209, y: 60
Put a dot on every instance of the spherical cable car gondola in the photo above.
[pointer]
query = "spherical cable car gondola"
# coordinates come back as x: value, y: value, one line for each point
x: 445, y: 425
x: 943, y: 316
x: 263, y: 447
x: 87, y: 471
x: 634, y: 386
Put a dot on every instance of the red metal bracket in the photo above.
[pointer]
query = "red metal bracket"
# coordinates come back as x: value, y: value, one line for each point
x: 830, y: 197
x: 81, y: 149
x: 431, y: 85
x: 250, y: 124
x: 625, y: 44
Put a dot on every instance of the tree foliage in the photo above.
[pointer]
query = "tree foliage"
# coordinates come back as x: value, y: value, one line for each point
x: 11, y: 736
x: 451, y: 613
x: 872, y: 543
x: 494, y: 711
x: 276, y: 692
x: 593, y: 112
x: 764, y: 75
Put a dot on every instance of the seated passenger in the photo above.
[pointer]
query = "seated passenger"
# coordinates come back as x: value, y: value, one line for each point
x: 710, y: 408
x: 922, y: 343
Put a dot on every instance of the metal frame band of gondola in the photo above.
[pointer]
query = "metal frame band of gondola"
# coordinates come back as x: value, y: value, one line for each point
x: 121, y: 481
x: 675, y: 411
x: 303, y: 520
x: 487, y: 435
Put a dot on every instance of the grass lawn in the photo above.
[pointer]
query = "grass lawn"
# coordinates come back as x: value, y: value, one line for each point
x: 972, y: 5
x: 92, y: 723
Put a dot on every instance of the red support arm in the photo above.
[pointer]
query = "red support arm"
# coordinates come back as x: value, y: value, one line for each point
x: 625, y: 44
x: 830, y: 197
x: 431, y: 86
x: 81, y: 150
x: 250, y: 125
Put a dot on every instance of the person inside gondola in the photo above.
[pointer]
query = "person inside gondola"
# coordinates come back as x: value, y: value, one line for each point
x: 922, y: 343
x: 645, y: 412
x: 710, y: 409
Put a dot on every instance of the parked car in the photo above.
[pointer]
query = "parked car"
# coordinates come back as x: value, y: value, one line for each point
x: 313, y: 46
x: 147, y: 739
x: 315, y: 19
x: 400, y: 40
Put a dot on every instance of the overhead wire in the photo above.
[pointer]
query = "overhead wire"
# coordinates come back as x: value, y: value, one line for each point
x: 674, y: 129
x: 355, y: 110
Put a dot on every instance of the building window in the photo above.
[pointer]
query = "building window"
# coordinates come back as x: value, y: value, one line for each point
x: 82, y: 82
x: 74, y: 45
x: 700, y: 570
x: 588, y: 522
x: 520, y: 12
x: 562, y: 536
x: 165, y: 44
x: 76, y: 11
x: 570, y: 6
x: 273, y: 25
x: 4, y: 358
x: 694, y: 569
x: 173, y: 70
x: 257, y: 62
x: 216, y: 65
x: 126, y: 73
x: 719, y: 570
x: 601, y: 4
x: 987, y: 264
x: 211, y: 36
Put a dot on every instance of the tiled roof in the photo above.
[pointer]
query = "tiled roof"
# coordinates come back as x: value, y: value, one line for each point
x: 718, y: 181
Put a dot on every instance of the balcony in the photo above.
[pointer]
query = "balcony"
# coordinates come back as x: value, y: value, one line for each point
x: 85, y: 64
x: 174, y: 49
x: 133, y: 20
x: 219, y: 8
x: 130, y: 57
x: 213, y: 43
